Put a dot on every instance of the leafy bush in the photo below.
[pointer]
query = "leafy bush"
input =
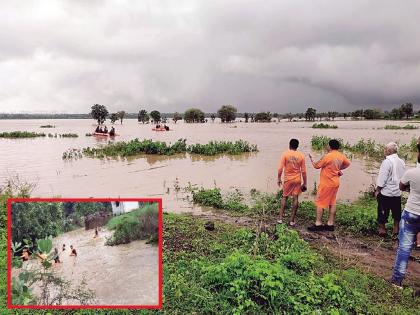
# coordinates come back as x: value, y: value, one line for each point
x: 220, y: 147
x: 141, y: 225
x: 47, y: 126
x: 69, y: 135
x: 324, y: 126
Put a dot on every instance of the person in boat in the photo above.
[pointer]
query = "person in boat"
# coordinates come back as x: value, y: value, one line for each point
x: 25, y: 255
x: 105, y: 130
x: 98, y: 129
x: 64, y: 247
x: 157, y: 126
x: 112, y: 132
x: 166, y: 127
x: 73, y: 251
x: 57, y: 257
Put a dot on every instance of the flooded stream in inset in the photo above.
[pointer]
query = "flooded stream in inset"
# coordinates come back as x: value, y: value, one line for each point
x: 126, y: 274
x: 40, y: 160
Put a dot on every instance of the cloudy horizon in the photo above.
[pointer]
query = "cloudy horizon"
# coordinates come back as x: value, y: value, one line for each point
x: 278, y: 56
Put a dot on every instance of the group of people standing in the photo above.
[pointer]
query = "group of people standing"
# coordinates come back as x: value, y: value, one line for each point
x: 393, y: 178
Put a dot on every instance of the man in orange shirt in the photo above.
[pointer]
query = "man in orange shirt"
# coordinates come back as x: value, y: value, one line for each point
x: 293, y: 164
x: 331, y: 166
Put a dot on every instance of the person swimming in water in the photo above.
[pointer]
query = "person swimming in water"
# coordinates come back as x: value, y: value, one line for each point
x: 73, y: 251
x: 56, y: 258
x: 64, y: 247
x: 112, y: 132
x: 96, y: 233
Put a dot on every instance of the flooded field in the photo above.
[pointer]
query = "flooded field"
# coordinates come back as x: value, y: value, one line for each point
x: 133, y: 268
x: 40, y: 160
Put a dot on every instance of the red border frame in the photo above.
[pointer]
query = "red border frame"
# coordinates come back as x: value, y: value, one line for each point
x: 9, y: 245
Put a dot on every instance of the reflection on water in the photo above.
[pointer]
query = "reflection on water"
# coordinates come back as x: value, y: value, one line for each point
x: 40, y: 160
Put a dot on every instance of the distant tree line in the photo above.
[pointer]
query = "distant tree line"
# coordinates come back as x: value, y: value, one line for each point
x: 226, y: 113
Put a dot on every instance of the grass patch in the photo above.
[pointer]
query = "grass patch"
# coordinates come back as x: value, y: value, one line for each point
x: 235, y: 270
x: 69, y: 135
x: 138, y: 224
x: 21, y: 134
x: 324, y: 126
x: 359, y: 217
x: 366, y: 147
x: 148, y: 146
x: 396, y: 127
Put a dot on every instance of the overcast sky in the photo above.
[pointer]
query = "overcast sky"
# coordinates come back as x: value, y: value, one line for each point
x: 64, y: 56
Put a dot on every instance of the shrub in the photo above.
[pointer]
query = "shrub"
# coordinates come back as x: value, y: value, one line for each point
x: 21, y: 134
x: 324, y: 126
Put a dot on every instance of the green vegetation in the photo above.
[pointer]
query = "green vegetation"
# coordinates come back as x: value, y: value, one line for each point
x: 234, y: 270
x: 227, y: 113
x: 138, y: 224
x: 148, y: 146
x: 21, y: 134
x: 143, y: 116
x: 156, y: 116
x: 193, y: 115
x: 99, y: 113
x: 406, y: 127
x: 69, y: 135
x: 134, y: 147
x: 54, y: 290
x: 47, y: 126
x: 358, y: 217
x: 324, y: 126
x: 34, y: 220
x: 222, y: 147
x: 261, y: 117
x: 366, y: 147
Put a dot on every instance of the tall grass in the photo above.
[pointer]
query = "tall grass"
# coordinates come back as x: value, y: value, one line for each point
x: 366, y: 147
x: 148, y: 146
x: 21, y: 134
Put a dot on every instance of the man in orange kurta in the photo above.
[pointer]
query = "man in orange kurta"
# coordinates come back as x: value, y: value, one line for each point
x: 331, y: 166
x: 293, y: 164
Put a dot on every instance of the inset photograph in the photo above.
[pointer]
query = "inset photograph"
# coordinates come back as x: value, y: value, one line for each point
x: 75, y: 253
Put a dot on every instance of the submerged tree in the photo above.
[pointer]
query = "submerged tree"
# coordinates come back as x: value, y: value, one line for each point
x: 177, y: 116
x: 121, y: 115
x: 143, y: 116
x: 227, y: 113
x: 310, y: 114
x: 194, y: 115
x: 99, y: 113
x: 113, y: 117
x: 155, y: 116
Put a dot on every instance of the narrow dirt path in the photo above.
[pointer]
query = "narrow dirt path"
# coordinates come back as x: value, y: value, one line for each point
x: 370, y: 255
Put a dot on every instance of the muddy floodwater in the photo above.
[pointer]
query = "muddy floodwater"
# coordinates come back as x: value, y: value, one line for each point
x: 40, y: 160
x: 126, y: 274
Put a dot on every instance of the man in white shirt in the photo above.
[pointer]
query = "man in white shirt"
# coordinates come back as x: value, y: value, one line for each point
x: 410, y: 222
x: 387, y: 191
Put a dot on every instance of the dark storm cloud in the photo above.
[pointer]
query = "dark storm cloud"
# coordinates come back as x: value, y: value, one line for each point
x: 259, y: 55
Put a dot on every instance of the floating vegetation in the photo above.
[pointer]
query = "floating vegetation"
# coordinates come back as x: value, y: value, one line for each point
x: 148, y: 146
x: 88, y: 134
x: 324, y: 126
x: 220, y: 147
x: 47, y: 126
x: 72, y: 154
x: 21, y: 134
x: 69, y: 135
x: 367, y: 147
x: 406, y: 127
